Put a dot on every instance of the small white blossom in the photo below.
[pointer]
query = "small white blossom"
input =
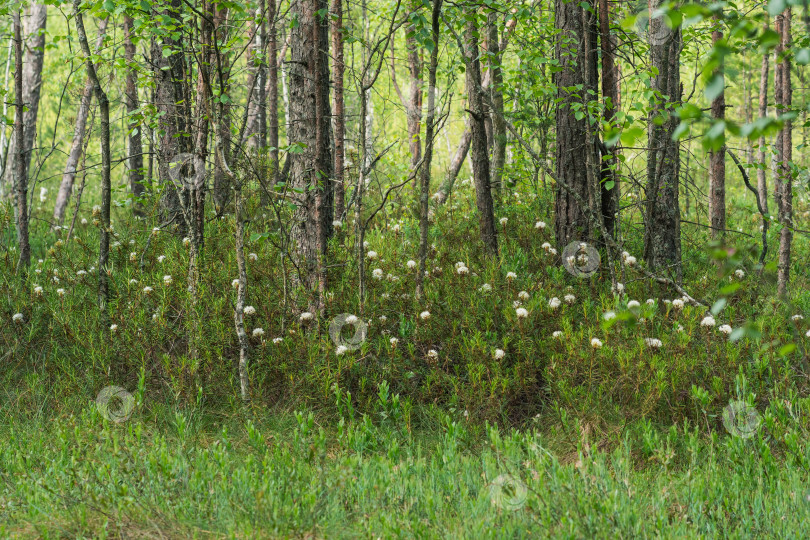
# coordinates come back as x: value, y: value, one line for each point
x: 511, y: 276
x: 17, y: 317
x: 167, y: 280
x: 377, y: 273
x: 366, y: 244
x: 633, y: 304
x: 462, y: 270
x: 596, y: 343
x: 383, y: 318
x: 570, y: 298
x: 352, y: 319
x: 708, y: 321
x: 725, y: 329
x: 161, y: 258
x: 523, y: 295
x: 540, y: 225
x: 259, y: 332
x: 610, y: 315
x: 516, y: 304
x: 425, y: 315
x: 393, y: 341
x: 411, y: 264
x: 84, y: 221
x: 337, y: 224
x: 341, y: 350
x: 433, y: 354
x: 81, y: 273
x: 113, y: 328
x: 306, y: 316
x: 503, y: 221
x: 43, y: 194
x: 554, y: 303
x: 486, y: 287
x: 797, y: 317
x: 371, y: 255
x: 521, y: 313
x: 677, y: 303
x: 148, y: 290
x: 739, y: 273
x: 235, y: 284
x: 556, y: 334
x: 552, y: 251
x: 630, y: 261
x: 546, y: 246
x: 620, y: 287
x: 653, y: 343
x: 650, y: 302
x: 499, y: 354
x: 60, y: 292
x: 253, y: 257
x: 277, y: 340
x: 249, y: 310
x: 38, y: 290
x: 186, y: 241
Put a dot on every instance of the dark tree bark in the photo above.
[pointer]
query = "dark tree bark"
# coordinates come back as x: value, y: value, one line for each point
x: 21, y: 185
x: 784, y: 197
x: 261, y: 76
x: 221, y: 188
x: 571, y: 219
x: 662, y: 233
x: 135, y: 150
x: 310, y: 170
x: 104, y: 114
x: 173, y: 103
x: 762, y: 179
x: 478, y: 143
x: 455, y: 164
x: 75, y: 153
x: 610, y: 95
x: 424, y: 194
x: 340, y: 119
x: 717, y: 158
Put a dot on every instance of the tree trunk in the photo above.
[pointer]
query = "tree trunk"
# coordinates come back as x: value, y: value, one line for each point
x: 478, y: 143
x: 496, y: 96
x: 4, y: 161
x: 173, y: 104
x: 33, y: 30
x: 221, y: 188
x: 717, y: 158
x: 424, y: 194
x: 75, y: 153
x: 571, y: 220
x: 785, y: 156
x: 272, y: 91
x: 610, y: 95
x: 309, y: 126
x: 136, y: 185
x: 762, y: 180
x: 340, y: 119
x: 455, y: 164
x: 662, y: 233
x: 104, y: 110
x: 21, y: 184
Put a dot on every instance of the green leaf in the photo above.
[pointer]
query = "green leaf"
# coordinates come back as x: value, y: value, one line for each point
x: 785, y: 350
x: 803, y: 57
x: 715, y: 87
x: 718, y: 306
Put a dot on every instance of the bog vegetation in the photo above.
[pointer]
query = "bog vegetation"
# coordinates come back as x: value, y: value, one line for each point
x: 298, y: 268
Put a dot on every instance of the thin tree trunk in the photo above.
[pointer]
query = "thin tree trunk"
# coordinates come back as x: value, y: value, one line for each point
x: 662, y: 232
x: 717, y: 158
x: 496, y: 96
x: 762, y: 179
x: 260, y: 77
x: 424, y: 194
x: 239, y: 312
x: 33, y: 31
x: 3, y: 138
x: 413, y: 103
x: 340, y: 119
x: 785, y: 198
x: 478, y: 144
x: 21, y: 185
x: 610, y: 95
x: 272, y: 91
x: 104, y: 110
x: 75, y: 153
x: 136, y: 186
x: 455, y: 163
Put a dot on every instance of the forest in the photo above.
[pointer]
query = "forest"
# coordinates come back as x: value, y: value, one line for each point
x: 404, y: 269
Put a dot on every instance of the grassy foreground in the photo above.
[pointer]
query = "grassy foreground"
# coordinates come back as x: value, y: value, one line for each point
x: 82, y: 476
